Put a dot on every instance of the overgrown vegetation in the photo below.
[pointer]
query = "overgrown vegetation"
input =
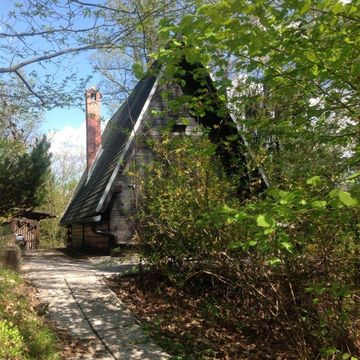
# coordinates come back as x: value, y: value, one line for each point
x: 285, y: 264
x: 288, y: 255
x: 23, y: 335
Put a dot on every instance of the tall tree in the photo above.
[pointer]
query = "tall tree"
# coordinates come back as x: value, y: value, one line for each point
x: 22, y: 177
x: 295, y: 76
x: 24, y: 159
x: 40, y: 33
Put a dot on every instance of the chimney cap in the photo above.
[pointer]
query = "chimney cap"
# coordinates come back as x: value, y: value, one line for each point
x: 92, y: 90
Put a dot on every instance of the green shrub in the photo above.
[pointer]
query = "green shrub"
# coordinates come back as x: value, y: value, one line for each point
x: 291, y: 256
x: 12, y: 343
x: 175, y: 195
x: 29, y: 336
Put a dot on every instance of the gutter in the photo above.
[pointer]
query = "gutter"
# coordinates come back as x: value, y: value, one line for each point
x: 109, y: 234
x: 94, y: 221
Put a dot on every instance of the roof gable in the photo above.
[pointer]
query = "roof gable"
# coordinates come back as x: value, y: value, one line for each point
x: 89, y: 199
x: 91, y: 191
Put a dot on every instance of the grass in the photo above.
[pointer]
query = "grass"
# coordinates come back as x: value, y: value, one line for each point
x: 23, y: 334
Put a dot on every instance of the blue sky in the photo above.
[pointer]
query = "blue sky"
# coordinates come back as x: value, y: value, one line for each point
x: 58, y: 118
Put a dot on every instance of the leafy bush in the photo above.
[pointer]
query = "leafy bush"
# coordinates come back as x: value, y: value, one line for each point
x: 12, y: 343
x: 291, y: 256
x: 176, y: 194
x: 27, y: 335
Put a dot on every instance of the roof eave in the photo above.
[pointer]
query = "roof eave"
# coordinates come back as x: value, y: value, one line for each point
x: 87, y: 220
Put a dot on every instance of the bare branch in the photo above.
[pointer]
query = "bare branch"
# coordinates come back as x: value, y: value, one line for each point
x: 29, y: 87
x: 15, y: 68
x: 102, y: 7
x: 54, y: 31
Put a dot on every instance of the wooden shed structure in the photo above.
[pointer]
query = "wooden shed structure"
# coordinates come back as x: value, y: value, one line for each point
x: 27, y: 224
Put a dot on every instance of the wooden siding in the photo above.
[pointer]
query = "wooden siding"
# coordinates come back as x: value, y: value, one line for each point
x: 84, y: 237
x: 94, y: 241
x: 77, y: 236
x: 122, y: 209
x: 124, y: 203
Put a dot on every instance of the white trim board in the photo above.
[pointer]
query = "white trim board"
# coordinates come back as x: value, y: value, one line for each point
x: 128, y: 143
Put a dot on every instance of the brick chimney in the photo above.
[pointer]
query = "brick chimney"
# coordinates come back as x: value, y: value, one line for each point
x: 93, y: 125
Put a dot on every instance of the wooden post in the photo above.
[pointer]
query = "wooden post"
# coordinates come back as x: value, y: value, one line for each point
x: 11, y: 257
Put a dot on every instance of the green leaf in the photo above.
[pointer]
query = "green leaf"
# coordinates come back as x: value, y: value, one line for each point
x: 274, y: 262
x: 186, y: 21
x: 227, y: 210
x: 268, y: 231
x: 347, y: 199
x: 353, y: 9
x: 191, y: 55
x: 185, y: 121
x: 315, y: 70
x: 287, y: 246
x: 315, y: 180
x: 138, y: 70
x: 353, y: 176
x: 336, y: 8
x: 235, y: 245
x: 311, y: 56
x: 240, y: 216
x: 265, y: 221
x: 306, y: 7
x: 318, y: 204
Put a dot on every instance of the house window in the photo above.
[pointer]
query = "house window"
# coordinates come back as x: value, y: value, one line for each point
x: 178, y: 128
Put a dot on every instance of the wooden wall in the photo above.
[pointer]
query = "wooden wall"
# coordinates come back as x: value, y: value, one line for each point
x: 94, y: 241
x: 77, y: 236
x: 29, y: 229
x: 84, y: 237
x: 124, y: 203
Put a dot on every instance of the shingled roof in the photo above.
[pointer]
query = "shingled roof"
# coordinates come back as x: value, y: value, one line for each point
x: 88, y: 199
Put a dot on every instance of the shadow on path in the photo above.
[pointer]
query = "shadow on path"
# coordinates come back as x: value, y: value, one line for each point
x: 81, y: 303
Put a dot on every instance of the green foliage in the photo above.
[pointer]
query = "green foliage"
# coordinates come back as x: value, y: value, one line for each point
x: 58, y: 196
x: 174, y: 196
x: 22, y: 177
x: 12, y: 343
x: 24, y: 333
x: 294, y: 78
x: 293, y: 251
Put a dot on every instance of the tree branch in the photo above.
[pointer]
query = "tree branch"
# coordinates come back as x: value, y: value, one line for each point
x: 15, y: 68
x: 29, y: 87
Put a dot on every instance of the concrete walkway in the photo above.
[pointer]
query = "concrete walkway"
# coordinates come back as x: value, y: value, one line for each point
x: 80, y: 302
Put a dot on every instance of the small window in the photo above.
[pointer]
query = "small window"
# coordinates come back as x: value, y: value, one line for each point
x: 178, y: 128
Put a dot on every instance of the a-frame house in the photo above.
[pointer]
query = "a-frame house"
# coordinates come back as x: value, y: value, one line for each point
x: 99, y: 214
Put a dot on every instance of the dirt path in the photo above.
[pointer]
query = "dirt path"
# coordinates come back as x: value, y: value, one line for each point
x: 80, y: 302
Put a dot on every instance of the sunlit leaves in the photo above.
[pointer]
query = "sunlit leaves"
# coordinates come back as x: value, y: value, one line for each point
x: 265, y: 221
x: 315, y: 180
x: 344, y: 197
x: 306, y: 7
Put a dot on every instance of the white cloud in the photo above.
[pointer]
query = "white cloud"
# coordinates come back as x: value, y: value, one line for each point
x: 72, y: 139
x: 68, y: 149
x: 68, y: 152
